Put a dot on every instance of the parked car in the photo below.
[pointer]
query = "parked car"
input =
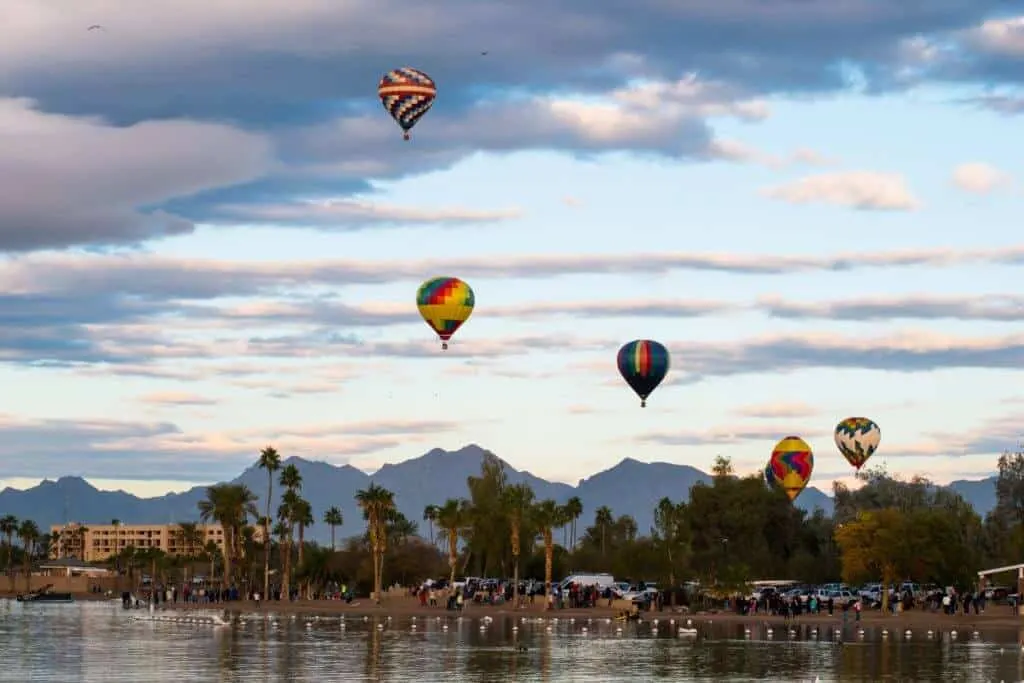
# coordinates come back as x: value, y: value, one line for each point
x: 842, y: 597
x: 643, y: 592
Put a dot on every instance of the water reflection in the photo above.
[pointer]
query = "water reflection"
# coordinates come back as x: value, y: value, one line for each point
x: 101, y: 642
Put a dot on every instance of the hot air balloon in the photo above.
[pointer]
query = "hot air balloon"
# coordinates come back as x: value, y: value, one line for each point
x: 445, y: 303
x: 407, y: 94
x: 769, y: 475
x: 857, y: 439
x: 791, y: 465
x: 643, y: 364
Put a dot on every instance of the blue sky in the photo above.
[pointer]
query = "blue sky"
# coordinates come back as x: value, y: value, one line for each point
x: 212, y: 236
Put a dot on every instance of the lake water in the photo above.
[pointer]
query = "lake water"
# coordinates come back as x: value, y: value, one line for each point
x: 89, y: 642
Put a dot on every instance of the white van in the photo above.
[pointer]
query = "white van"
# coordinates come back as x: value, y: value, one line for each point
x: 602, y: 581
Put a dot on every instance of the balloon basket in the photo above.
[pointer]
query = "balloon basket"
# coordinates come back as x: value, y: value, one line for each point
x: 405, y: 136
x: 643, y: 404
x: 444, y: 346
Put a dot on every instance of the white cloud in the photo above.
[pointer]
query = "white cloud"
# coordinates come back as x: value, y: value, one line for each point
x: 980, y: 178
x: 356, y: 212
x: 866, y: 190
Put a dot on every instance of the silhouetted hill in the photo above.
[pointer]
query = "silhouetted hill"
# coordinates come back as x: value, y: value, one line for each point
x: 630, y: 487
x: 980, y: 494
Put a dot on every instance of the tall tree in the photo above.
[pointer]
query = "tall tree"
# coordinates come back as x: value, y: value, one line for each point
x: 270, y: 461
x: 230, y: 505
x: 574, y: 506
x: 548, y: 515
x: 670, y: 534
x: 333, y: 518
x: 875, y: 544
x: 518, y: 506
x: 451, y: 518
x: 1010, y: 486
x: 9, y: 527
x: 302, y: 515
x: 430, y: 516
x: 376, y: 502
x: 603, y: 520
x: 488, y: 532
x: 28, y: 533
x: 291, y: 481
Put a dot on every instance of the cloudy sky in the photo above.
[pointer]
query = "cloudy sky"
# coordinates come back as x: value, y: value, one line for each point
x: 212, y: 233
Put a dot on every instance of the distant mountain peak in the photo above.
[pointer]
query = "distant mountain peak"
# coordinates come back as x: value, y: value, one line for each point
x: 70, y: 482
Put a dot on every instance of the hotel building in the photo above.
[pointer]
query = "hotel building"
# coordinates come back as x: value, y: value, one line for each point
x: 97, y: 542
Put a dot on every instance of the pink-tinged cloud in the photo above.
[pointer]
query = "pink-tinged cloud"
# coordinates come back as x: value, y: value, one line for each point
x: 177, y: 398
x: 195, y: 279
x: 724, y: 435
x: 980, y: 178
x: 778, y: 409
x: 865, y: 190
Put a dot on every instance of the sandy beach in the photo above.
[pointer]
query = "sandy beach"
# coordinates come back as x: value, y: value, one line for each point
x: 1000, y: 616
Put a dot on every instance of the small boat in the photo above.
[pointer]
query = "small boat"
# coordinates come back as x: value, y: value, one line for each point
x: 45, y: 594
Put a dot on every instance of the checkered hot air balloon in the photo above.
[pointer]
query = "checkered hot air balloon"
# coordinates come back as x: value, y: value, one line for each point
x: 790, y: 466
x: 445, y: 303
x: 407, y: 94
x: 857, y: 438
x: 643, y: 364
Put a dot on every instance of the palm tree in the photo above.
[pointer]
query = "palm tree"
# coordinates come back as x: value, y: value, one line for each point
x: 376, y: 502
x: 9, y: 527
x: 451, y: 518
x: 400, y: 527
x: 230, y: 505
x: 574, y: 506
x: 285, y: 514
x: 270, y: 460
x: 547, y: 516
x: 603, y: 520
x: 28, y: 533
x: 518, y: 502
x: 333, y: 518
x: 430, y: 516
x: 291, y: 480
x: 212, y: 552
x: 302, y: 515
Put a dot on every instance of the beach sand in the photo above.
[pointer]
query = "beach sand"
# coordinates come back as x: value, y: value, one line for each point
x: 403, y: 606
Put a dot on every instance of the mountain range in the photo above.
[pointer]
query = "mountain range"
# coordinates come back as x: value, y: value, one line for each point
x: 630, y: 487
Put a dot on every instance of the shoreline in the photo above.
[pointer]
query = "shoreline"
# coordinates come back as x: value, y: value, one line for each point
x: 404, y: 607
x: 1001, y: 617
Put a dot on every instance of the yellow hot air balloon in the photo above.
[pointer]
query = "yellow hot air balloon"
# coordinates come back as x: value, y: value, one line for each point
x: 790, y: 466
x: 445, y: 304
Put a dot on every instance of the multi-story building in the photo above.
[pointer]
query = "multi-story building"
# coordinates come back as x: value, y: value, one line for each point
x: 98, y: 542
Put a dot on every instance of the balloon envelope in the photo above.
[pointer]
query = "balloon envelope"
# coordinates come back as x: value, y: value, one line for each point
x: 445, y: 304
x: 857, y: 438
x: 791, y: 465
x: 643, y: 364
x: 407, y: 94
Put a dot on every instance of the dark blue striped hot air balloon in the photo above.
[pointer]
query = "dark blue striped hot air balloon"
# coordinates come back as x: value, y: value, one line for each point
x: 643, y: 364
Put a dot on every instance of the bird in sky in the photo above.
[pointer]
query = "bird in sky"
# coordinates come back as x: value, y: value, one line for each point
x: 95, y: 27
